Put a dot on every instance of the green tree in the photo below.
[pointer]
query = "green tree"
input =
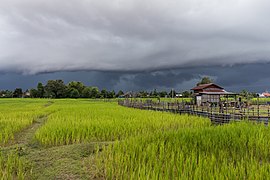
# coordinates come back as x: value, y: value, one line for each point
x: 244, y: 93
x: 172, y: 93
x: 163, y: 93
x: 73, y: 93
x: 87, y: 92
x: 40, y: 90
x: 18, y: 93
x: 55, y: 89
x: 33, y: 93
x: 95, y: 92
x: 143, y: 94
x: 76, y: 85
x: 111, y: 94
x: 155, y: 93
x: 104, y: 93
x: 7, y: 94
x: 205, y: 80
x: 186, y: 94
x: 120, y: 93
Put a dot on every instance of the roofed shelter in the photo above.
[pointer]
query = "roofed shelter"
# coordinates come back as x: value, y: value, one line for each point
x: 266, y: 94
x: 209, y: 93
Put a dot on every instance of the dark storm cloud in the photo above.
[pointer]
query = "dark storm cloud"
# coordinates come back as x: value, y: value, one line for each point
x: 131, y: 35
x: 101, y: 79
x: 253, y: 77
x: 158, y: 79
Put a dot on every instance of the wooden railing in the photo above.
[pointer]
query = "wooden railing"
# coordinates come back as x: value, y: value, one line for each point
x: 216, y: 117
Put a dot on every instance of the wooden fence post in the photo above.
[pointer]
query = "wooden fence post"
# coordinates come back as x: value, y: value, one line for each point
x: 191, y: 109
x: 163, y: 104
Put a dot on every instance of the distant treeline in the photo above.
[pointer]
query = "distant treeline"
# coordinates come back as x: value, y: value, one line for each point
x: 75, y: 89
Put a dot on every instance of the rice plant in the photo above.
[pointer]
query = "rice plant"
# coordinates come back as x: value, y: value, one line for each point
x: 140, y: 144
x: 17, y: 114
x: 234, y: 151
x: 13, y: 167
x: 84, y: 121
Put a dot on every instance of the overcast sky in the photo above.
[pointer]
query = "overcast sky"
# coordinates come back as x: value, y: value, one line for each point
x: 135, y: 44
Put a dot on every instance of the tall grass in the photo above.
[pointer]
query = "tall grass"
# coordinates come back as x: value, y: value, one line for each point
x: 81, y: 121
x: 171, y: 100
x: 146, y: 144
x: 260, y: 101
x: 13, y: 167
x: 234, y: 151
x: 17, y: 114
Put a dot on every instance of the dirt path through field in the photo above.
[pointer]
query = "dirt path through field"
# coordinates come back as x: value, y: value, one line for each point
x: 26, y: 136
x: 58, y: 162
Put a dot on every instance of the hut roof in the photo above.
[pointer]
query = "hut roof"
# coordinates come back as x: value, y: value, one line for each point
x: 266, y: 94
x: 218, y: 93
x: 204, y: 86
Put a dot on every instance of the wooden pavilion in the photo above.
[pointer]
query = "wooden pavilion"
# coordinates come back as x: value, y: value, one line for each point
x: 209, y: 93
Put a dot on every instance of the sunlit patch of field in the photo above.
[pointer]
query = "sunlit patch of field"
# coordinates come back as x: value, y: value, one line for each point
x: 98, y: 121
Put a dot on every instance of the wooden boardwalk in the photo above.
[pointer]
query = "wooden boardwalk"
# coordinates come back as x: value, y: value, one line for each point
x: 181, y: 108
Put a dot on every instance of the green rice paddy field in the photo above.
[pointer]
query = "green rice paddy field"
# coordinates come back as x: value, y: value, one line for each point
x: 87, y: 139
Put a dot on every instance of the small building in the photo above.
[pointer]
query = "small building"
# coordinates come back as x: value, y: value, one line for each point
x: 26, y: 94
x: 209, y: 93
x: 131, y: 94
x: 266, y: 94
